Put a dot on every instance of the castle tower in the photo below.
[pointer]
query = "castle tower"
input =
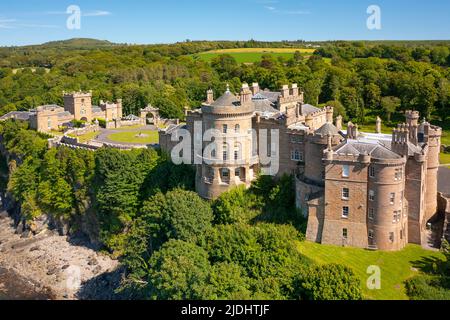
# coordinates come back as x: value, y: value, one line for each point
x: 228, y: 158
x: 432, y: 137
x: 79, y: 104
x: 329, y: 112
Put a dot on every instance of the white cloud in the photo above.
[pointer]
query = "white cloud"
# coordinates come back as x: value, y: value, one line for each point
x: 290, y: 12
x: 97, y: 13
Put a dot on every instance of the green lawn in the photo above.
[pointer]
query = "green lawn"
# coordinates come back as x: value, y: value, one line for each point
x: 252, y: 55
x: 86, y: 137
x: 445, y: 158
x: 131, y: 137
x: 396, y: 267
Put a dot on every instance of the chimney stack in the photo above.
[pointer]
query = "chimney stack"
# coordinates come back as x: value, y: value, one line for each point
x: 246, y: 94
x: 255, y: 88
x: 209, y: 96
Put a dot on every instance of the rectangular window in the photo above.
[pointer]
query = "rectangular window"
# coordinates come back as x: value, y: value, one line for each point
x: 345, y: 171
x: 370, y: 234
x: 371, y: 213
x: 392, y: 198
x: 372, y: 172
x: 397, y: 216
x: 398, y: 174
x: 225, y: 156
x: 345, y: 233
x: 225, y: 173
x: 391, y: 237
x: 345, y: 212
x: 401, y: 234
x: 225, y: 128
x: 345, y: 193
x: 371, y: 195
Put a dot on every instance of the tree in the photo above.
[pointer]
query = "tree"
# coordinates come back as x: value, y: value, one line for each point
x: 179, y: 214
x: 389, y: 105
x: 179, y: 271
x: 338, y: 108
x: 329, y: 282
x: 234, y: 206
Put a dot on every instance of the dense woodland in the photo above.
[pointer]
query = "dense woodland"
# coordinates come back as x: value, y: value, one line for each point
x: 142, y: 208
x: 362, y: 80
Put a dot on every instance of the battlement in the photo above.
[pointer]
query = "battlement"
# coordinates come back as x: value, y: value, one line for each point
x: 77, y: 94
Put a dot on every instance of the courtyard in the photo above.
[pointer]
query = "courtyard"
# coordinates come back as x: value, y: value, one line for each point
x: 135, y: 135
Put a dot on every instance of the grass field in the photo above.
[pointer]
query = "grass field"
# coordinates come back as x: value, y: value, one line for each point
x: 86, y: 137
x: 252, y: 55
x: 131, y: 137
x: 396, y: 267
x: 445, y: 158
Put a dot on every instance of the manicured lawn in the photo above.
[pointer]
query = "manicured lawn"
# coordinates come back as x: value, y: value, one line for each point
x: 445, y: 158
x: 86, y: 137
x: 396, y: 267
x: 132, y: 137
x: 445, y: 137
x: 252, y: 55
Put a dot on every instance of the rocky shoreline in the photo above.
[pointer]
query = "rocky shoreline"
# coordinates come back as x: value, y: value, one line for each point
x: 47, y: 266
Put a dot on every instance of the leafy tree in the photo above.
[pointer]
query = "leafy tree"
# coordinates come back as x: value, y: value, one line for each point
x: 389, y: 105
x: 179, y: 271
x: 329, y: 282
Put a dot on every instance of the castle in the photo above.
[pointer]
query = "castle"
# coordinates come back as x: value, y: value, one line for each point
x: 77, y: 106
x: 367, y: 190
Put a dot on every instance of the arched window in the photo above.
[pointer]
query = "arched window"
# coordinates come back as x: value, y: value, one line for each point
x: 225, y: 128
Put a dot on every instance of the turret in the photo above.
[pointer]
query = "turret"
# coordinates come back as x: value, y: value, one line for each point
x: 294, y: 90
x: 329, y: 111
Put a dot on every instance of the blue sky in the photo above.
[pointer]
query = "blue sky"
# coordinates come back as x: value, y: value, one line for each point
x: 165, y: 21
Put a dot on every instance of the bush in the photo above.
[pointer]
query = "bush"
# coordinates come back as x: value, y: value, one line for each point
x: 329, y: 282
x: 428, y: 288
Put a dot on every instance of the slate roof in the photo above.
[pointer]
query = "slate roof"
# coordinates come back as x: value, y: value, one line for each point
x: 19, y: 115
x: 327, y: 129
x: 64, y: 114
x: 356, y: 148
x: 307, y: 109
x: 226, y: 100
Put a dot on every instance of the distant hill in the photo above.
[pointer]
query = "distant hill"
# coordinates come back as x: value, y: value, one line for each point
x: 78, y: 43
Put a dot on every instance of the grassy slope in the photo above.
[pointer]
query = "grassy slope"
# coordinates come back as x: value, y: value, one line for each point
x: 396, y: 267
x: 130, y: 137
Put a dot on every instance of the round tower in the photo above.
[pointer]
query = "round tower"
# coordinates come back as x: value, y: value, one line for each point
x: 228, y: 159
x: 432, y: 137
x: 386, y: 207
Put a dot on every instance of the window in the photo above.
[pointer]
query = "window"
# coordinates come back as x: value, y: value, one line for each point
x: 345, y: 171
x: 296, y: 155
x: 49, y: 123
x: 398, y: 174
x: 391, y: 237
x: 225, y: 128
x: 345, y: 212
x: 372, y: 172
x: 392, y: 198
x: 371, y: 195
x: 225, y: 173
x: 344, y: 233
x: 402, y: 194
x: 371, y: 213
x: 237, y: 151
x: 401, y: 234
x: 345, y: 193
x: 237, y: 172
x: 225, y: 152
x: 237, y: 128
x: 371, y: 234
x: 397, y: 216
